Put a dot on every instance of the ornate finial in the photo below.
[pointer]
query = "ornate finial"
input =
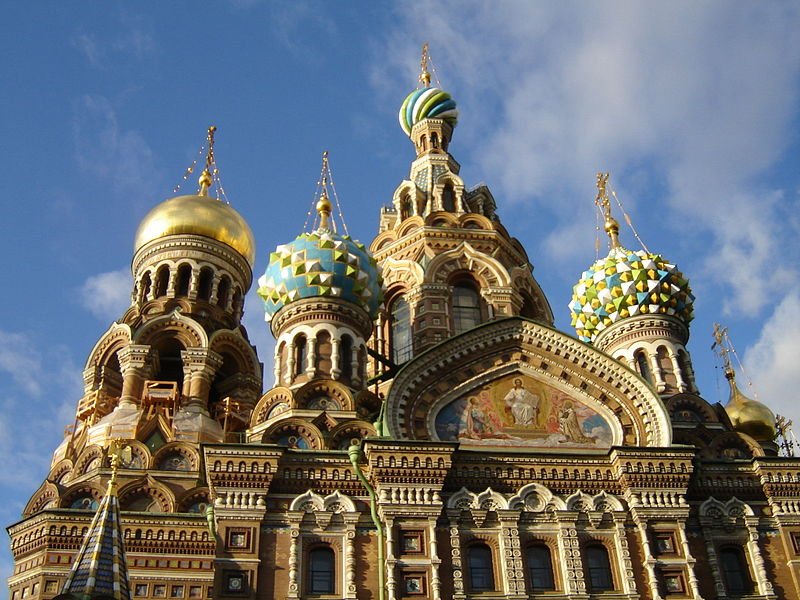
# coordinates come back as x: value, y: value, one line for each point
x: 784, y: 435
x: 324, y: 204
x: 611, y: 225
x: 721, y: 345
x: 118, y: 451
x: 424, y: 75
x: 206, y: 178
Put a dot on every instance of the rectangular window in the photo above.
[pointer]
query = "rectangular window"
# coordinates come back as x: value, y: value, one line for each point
x: 195, y: 591
x: 414, y: 584
x: 51, y: 585
x: 140, y: 589
x: 673, y: 583
x: 412, y: 542
x: 176, y: 591
x: 235, y: 581
x: 159, y: 591
x: 238, y: 539
x: 665, y: 543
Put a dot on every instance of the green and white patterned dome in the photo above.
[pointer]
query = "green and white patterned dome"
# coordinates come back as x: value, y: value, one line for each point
x: 624, y: 284
x: 321, y: 264
x: 427, y: 103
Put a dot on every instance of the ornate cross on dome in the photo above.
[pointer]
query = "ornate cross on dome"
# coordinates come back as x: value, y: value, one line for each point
x: 601, y: 200
x: 206, y: 178
x: 424, y: 75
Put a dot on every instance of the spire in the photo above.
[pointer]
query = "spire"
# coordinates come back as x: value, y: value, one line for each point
x: 424, y: 75
x: 206, y: 177
x: 100, y: 570
x: 324, y: 204
x: 611, y: 225
x: 721, y: 343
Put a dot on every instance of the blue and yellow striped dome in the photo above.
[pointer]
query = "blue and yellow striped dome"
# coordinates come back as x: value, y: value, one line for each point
x: 321, y: 264
x: 424, y: 103
x: 624, y: 284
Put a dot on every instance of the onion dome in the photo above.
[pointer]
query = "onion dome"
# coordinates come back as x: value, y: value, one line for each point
x: 747, y: 415
x: 626, y: 283
x: 199, y: 215
x: 321, y: 264
x: 425, y: 103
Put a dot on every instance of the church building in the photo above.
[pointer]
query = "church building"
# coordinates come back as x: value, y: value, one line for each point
x: 426, y: 432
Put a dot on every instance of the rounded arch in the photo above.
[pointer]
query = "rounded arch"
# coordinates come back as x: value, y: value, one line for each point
x: 45, y: 497
x: 176, y: 456
x: 487, y: 271
x: 232, y: 342
x: 105, y: 350
x: 349, y: 433
x: 294, y: 433
x: 188, y: 332
x: 61, y: 472
x: 90, y: 458
x: 382, y: 240
x: 334, y: 390
x: 408, y: 225
x: 265, y: 408
x: 194, y: 500
x: 732, y: 445
x: 76, y: 494
x: 689, y: 408
x: 474, y: 221
x: 441, y: 219
x: 140, y: 457
x: 146, y: 495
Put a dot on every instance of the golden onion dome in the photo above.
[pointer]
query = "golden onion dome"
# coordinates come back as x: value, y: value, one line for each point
x: 749, y: 416
x: 198, y: 215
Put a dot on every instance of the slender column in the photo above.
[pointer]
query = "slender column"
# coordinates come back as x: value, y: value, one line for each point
x: 570, y: 548
x: 212, y: 298
x: 173, y: 276
x: 690, y: 560
x: 349, y: 555
x: 511, y: 567
x: 455, y: 553
x: 199, y: 367
x: 655, y: 366
x: 290, y: 363
x: 335, y: 369
x: 135, y: 363
x: 391, y: 561
x: 193, y: 284
x: 762, y: 582
x: 294, y: 588
x: 311, y: 358
x: 354, y: 376
x: 436, y: 582
x: 719, y: 586
x: 624, y: 557
x: 649, y: 560
x: 676, y: 368
x: 276, y: 365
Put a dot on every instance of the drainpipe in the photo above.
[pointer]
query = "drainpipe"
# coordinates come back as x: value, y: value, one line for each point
x: 355, y: 453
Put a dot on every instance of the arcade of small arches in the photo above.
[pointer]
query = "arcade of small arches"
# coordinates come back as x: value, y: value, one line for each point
x: 189, y: 279
x: 662, y: 364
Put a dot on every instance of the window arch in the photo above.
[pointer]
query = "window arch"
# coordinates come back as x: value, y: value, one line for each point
x: 481, y: 569
x: 205, y: 284
x: 346, y: 356
x: 598, y: 569
x: 466, y: 308
x: 184, y: 279
x: 321, y: 570
x: 300, y: 355
x: 162, y: 281
x: 643, y: 365
x: 223, y: 289
x: 400, y: 339
x: 735, y: 572
x: 144, y: 287
x: 449, y: 198
x: 540, y: 568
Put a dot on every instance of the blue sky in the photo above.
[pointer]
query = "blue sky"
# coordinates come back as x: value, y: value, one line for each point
x: 693, y: 108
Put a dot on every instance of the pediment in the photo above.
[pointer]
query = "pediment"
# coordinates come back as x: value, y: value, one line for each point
x: 517, y: 383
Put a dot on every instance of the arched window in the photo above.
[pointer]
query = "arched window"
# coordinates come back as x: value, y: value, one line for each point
x: 205, y: 284
x: 184, y: 278
x: 321, y: 571
x: 300, y: 355
x: 481, y: 571
x: 236, y: 304
x: 144, y: 287
x: 162, y: 281
x: 734, y: 571
x: 449, y: 198
x: 346, y: 356
x: 401, y: 342
x: 643, y: 365
x: 540, y: 568
x: 598, y: 569
x: 466, y: 308
x: 223, y: 289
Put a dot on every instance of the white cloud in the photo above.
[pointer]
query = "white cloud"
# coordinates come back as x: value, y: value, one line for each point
x: 20, y: 359
x: 107, y: 295
x: 698, y: 96
x: 106, y: 150
x: 772, y: 361
x: 88, y: 46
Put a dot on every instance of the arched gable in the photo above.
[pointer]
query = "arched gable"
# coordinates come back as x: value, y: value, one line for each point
x: 487, y: 270
x: 227, y: 341
x: 188, y: 331
x: 569, y: 375
x: 116, y: 337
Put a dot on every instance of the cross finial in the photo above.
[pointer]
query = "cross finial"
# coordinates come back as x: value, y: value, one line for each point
x: 206, y: 177
x: 424, y: 75
x: 601, y: 200
x: 324, y: 204
x: 721, y: 344
x: 118, y: 451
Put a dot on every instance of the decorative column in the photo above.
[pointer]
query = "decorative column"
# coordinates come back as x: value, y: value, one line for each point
x: 335, y: 369
x: 649, y: 559
x: 311, y: 358
x: 719, y: 586
x: 762, y: 581
x: 354, y: 366
x: 570, y: 547
x: 199, y: 367
x: 690, y: 560
x: 276, y: 365
x: 290, y: 362
x: 683, y: 385
x: 136, y: 365
x: 212, y: 298
x: 294, y: 588
x: 173, y: 275
x: 655, y: 367
x: 350, y: 519
x: 513, y: 573
x: 391, y: 560
x: 455, y: 553
x: 624, y: 556
x: 436, y: 582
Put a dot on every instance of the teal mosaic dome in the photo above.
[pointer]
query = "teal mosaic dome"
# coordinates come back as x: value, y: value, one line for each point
x: 321, y: 264
x: 424, y: 103
x: 625, y: 284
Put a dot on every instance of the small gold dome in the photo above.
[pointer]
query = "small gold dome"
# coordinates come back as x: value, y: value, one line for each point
x: 198, y: 215
x: 750, y: 416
